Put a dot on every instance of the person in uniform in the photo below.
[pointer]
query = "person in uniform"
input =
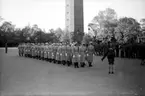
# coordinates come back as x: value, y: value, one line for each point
x: 25, y: 50
x: 68, y: 55
x: 58, y: 56
x: 55, y: 52
x: 63, y: 54
x: 53, y: 57
x: 82, y: 55
x: 36, y: 51
x: 110, y: 54
x: 75, y: 52
x: 32, y: 50
x: 19, y: 49
x: 28, y: 49
x: 60, y: 53
x: 45, y: 53
x: 48, y: 52
x: 90, y: 52
x: 43, y: 50
x: 39, y: 51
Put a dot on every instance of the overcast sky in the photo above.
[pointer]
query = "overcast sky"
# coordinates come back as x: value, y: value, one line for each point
x: 51, y: 13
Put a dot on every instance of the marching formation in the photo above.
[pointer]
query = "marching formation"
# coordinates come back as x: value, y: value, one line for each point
x: 59, y: 53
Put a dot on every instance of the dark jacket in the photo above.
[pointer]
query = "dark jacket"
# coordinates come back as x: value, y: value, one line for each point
x: 110, y: 54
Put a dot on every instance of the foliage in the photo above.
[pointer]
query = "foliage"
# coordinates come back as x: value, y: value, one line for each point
x: 86, y: 39
x: 127, y: 30
x: 65, y: 36
x: 142, y: 23
x: 59, y: 32
x: 107, y: 21
x: 14, y: 36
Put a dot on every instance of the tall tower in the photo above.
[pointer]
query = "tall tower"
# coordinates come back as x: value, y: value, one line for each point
x: 74, y: 19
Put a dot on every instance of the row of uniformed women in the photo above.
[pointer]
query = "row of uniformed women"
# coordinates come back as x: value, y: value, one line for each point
x: 59, y: 53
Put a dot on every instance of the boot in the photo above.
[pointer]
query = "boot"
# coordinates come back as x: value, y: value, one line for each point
x: 90, y: 64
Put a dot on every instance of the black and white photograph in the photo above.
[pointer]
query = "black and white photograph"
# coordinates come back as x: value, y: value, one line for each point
x: 72, y: 47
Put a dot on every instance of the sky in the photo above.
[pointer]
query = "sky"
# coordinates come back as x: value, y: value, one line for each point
x: 49, y: 14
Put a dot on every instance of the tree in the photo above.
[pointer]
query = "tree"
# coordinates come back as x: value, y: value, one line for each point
x: 1, y: 19
x: 26, y: 33
x: 127, y: 29
x: 17, y: 35
x: 6, y: 31
x: 36, y: 33
x: 65, y: 37
x: 93, y: 29
x: 7, y: 27
x: 142, y: 22
x: 86, y: 39
x: 107, y: 21
x: 59, y: 33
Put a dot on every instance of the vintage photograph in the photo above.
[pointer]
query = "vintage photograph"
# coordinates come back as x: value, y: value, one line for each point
x: 72, y: 48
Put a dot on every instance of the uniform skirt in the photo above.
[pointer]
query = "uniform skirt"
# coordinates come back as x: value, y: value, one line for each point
x: 89, y: 57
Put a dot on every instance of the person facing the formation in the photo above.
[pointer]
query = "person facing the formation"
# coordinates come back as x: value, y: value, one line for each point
x: 110, y: 54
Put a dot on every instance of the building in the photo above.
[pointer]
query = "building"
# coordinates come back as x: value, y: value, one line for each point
x: 74, y: 19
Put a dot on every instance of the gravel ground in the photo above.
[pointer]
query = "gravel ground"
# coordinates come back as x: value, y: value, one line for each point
x: 22, y: 76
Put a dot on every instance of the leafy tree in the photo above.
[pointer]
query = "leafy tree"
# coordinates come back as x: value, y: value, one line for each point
x: 6, y: 31
x: 1, y: 19
x: 86, y: 39
x: 7, y: 27
x: 127, y: 29
x: 142, y: 22
x: 65, y: 37
x: 59, y: 33
x: 93, y: 29
x: 26, y: 33
x: 107, y: 21
x: 51, y: 30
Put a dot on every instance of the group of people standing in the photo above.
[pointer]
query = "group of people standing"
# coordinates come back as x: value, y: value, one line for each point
x: 70, y: 54
x: 60, y: 53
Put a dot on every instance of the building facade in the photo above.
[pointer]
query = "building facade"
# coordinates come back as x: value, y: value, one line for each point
x: 74, y: 19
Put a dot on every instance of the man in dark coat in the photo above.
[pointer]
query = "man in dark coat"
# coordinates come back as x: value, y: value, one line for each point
x: 110, y: 54
x: 142, y: 54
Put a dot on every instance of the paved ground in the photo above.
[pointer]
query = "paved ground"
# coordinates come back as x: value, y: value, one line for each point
x: 24, y: 76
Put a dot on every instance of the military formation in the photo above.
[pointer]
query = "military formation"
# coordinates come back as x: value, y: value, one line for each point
x: 60, y: 53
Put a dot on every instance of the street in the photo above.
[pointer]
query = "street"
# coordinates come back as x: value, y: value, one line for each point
x: 23, y: 76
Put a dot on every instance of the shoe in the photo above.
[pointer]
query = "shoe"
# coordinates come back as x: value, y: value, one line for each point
x: 90, y: 65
